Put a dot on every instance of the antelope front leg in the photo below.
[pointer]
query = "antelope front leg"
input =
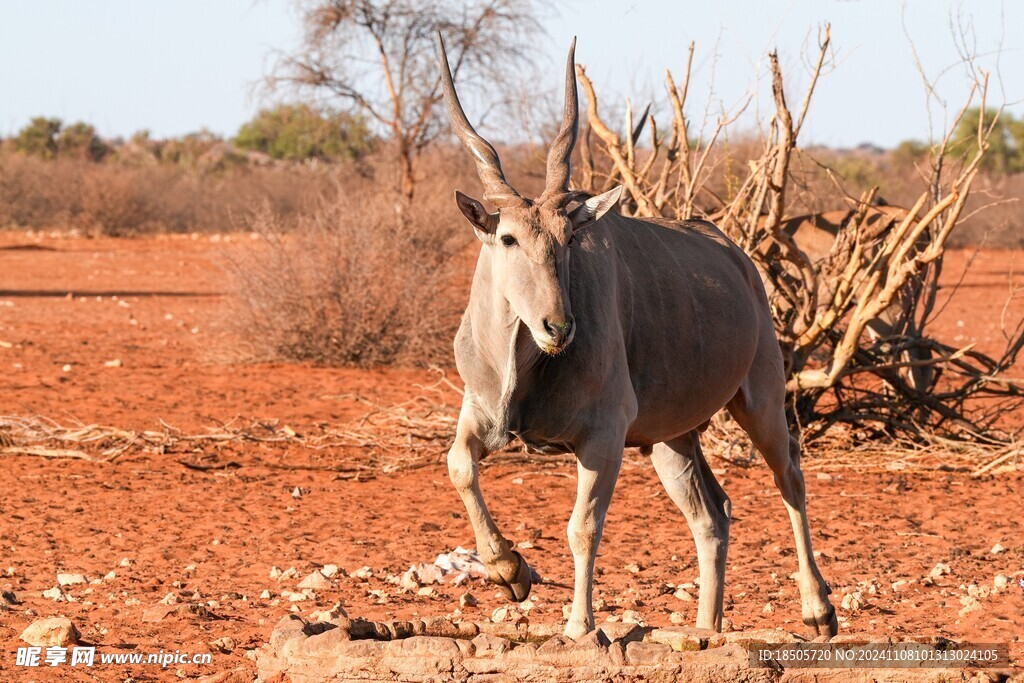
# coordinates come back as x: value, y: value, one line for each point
x: 505, y: 567
x: 597, y: 469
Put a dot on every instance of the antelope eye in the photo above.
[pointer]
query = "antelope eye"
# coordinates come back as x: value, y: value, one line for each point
x: 508, y: 240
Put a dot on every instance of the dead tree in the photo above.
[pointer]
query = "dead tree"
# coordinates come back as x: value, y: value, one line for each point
x: 377, y: 57
x: 854, y: 320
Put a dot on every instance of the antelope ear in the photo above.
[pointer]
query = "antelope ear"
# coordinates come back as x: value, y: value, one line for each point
x: 475, y: 212
x: 591, y: 210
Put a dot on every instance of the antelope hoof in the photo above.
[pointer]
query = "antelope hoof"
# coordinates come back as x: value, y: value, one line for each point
x: 518, y: 589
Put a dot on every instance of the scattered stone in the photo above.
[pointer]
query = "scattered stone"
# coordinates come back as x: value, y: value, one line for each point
x: 938, y: 570
x: 115, y: 363
x: 275, y: 572
x: 71, y: 579
x: 296, y: 493
x: 998, y: 549
x: 51, y: 632
x: 976, y: 591
x: 851, y: 601
x: 468, y: 600
x: 170, y: 599
x: 633, y: 568
x: 410, y: 581
x: 363, y: 573
x: 9, y: 599
x: 225, y: 644
x: 900, y: 585
x: 677, y: 618
x: 970, y: 604
x: 1000, y: 582
x: 500, y: 614
x: 330, y: 570
x: 289, y: 573
x: 632, y: 617
x: 297, y: 597
x: 315, y: 581
x: 265, y: 595
x: 110, y: 576
x: 768, y: 608
x: 126, y: 562
x: 427, y: 592
x: 54, y: 593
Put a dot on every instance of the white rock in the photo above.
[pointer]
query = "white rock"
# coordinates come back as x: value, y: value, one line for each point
x: 275, y: 572
x: 170, y: 599
x: 681, y: 594
x: 467, y: 600
x: 225, y: 644
x: 900, y: 585
x: 329, y: 570
x: 361, y: 573
x: 499, y: 614
x: 315, y: 581
x: 1000, y: 582
x: 51, y: 632
x: 110, y: 576
x: 289, y: 573
x: 265, y: 595
x: 71, y: 579
x: 410, y: 581
x: 296, y: 597
x: 998, y: 549
x: 54, y: 593
x: 851, y: 602
x: 115, y: 363
x: 768, y: 608
x: 632, y: 617
x: 970, y: 604
x: 677, y: 618
x: 938, y: 570
x: 126, y: 562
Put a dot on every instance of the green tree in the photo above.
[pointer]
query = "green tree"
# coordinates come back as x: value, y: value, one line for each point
x: 1005, y: 153
x: 909, y: 152
x: 39, y: 137
x: 298, y: 132
x: 80, y: 140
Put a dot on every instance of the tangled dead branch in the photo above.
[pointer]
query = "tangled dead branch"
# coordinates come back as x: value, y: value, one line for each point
x: 853, y: 294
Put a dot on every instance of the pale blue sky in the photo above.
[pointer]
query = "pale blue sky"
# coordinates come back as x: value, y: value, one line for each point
x: 174, y: 67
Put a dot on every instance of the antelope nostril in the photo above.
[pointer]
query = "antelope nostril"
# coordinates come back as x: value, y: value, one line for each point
x: 559, y: 331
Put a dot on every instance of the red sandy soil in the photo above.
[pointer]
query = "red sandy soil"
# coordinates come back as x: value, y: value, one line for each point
x: 180, y: 364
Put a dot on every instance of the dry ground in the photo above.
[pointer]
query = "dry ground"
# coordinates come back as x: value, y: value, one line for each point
x: 158, y: 306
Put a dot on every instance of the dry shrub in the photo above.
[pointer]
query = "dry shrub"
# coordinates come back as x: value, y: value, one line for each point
x: 352, y: 282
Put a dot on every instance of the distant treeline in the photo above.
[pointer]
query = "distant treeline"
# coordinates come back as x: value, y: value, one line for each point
x: 288, y: 132
x: 300, y: 132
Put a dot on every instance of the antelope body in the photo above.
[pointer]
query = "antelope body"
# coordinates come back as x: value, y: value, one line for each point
x: 586, y: 332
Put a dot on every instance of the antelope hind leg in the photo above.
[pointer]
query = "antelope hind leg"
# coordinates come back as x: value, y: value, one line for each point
x: 692, y: 486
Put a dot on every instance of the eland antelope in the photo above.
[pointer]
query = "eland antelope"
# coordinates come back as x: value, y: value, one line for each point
x: 588, y: 332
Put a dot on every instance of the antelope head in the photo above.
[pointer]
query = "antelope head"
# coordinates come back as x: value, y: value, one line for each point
x: 528, y: 241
